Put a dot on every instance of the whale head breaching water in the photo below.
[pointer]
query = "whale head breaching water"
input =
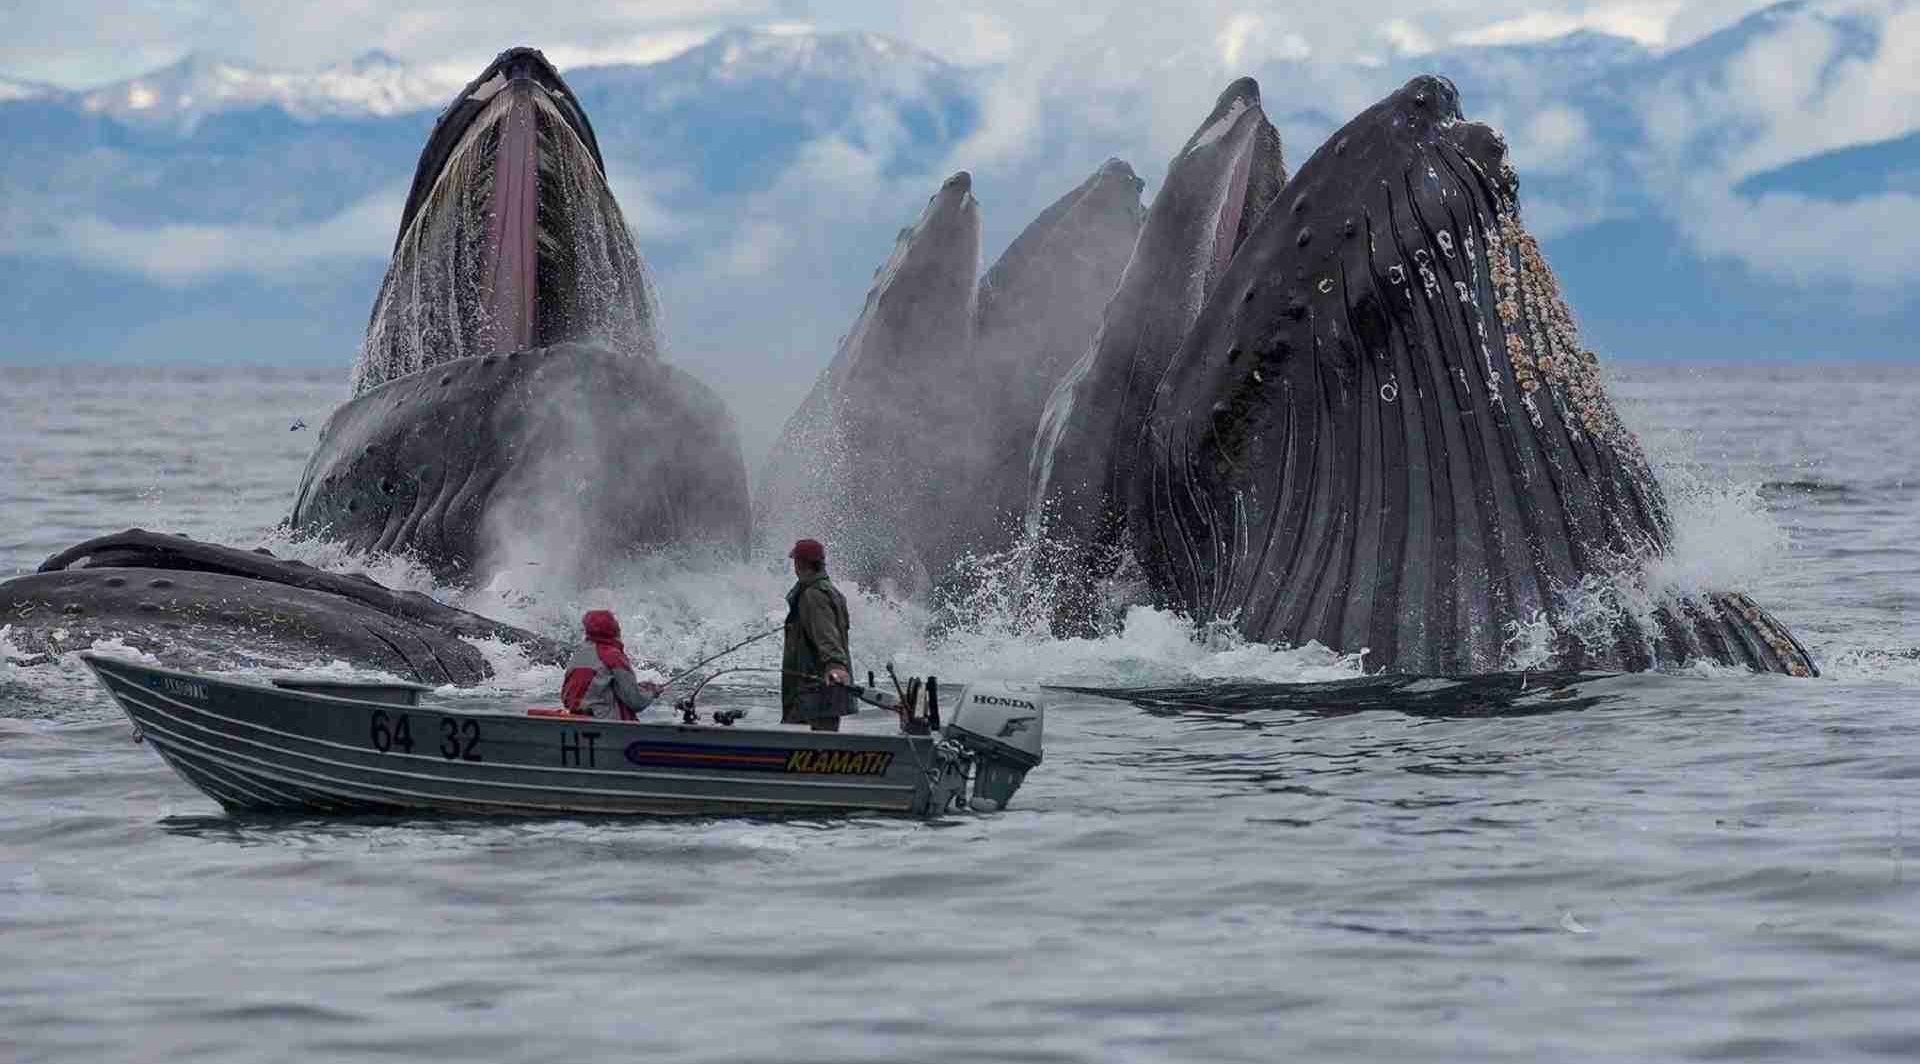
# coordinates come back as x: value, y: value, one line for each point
x: 1383, y: 432
x: 511, y: 405
x: 851, y: 467
x: 1217, y: 187
x: 510, y: 238
x: 909, y: 454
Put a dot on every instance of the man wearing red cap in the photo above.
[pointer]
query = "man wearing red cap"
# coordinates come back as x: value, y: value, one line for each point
x: 816, y: 644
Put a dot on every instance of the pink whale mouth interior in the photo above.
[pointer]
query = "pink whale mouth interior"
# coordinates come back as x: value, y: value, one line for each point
x: 1231, y: 208
x: 512, y: 267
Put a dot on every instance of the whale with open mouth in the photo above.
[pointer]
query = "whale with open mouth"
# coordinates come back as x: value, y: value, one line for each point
x: 909, y: 455
x: 511, y: 402
x: 1217, y: 187
x: 1382, y: 432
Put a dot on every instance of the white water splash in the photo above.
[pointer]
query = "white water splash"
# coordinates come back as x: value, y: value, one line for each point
x: 1529, y: 644
x: 11, y: 657
x: 399, y: 572
x: 1899, y: 667
x: 1724, y: 539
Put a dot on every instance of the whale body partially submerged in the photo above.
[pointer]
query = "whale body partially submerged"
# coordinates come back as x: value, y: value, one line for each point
x: 1382, y: 432
x: 1217, y: 188
x: 201, y: 604
x: 510, y: 405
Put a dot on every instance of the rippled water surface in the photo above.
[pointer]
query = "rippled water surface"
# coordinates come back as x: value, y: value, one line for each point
x: 1243, y: 854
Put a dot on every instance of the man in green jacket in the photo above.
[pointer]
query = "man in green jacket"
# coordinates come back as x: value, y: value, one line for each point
x: 816, y: 645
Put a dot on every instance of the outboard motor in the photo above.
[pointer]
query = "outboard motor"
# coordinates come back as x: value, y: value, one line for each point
x: 999, y: 724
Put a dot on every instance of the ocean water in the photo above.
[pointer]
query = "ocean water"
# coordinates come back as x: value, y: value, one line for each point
x: 1235, y: 853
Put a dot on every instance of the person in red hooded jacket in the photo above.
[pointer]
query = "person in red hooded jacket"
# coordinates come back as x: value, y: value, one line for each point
x: 600, y: 680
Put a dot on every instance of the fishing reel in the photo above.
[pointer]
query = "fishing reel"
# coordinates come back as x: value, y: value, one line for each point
x: 917, y: 703
x: 690, y: 715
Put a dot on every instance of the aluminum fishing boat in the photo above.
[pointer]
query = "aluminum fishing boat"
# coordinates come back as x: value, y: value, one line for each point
x: 326, y: 746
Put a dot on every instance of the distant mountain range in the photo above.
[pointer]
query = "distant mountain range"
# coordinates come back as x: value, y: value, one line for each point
x: 212, y: 212
x: 179, y: 96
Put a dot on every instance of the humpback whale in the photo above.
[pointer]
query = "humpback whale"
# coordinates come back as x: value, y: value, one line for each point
x: 1217, y: 186
x: 910, y: 451
x: 509, y: 396
x: 204, y: 605
x: 1383, y: 433
x: 854, y: 464
x: 1036, y: 311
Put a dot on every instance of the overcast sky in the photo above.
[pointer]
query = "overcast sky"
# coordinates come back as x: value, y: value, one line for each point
x: 87, y: 42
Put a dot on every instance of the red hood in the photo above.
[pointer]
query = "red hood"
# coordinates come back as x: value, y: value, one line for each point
x: 601, y: 626
x: 604, y: 631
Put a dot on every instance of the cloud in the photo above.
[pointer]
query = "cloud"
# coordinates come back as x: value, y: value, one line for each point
x: 1807, y: 82
x: 1406, y: 38
x: 179, y: 255
x: 1647, y: 23
x: 1247, y: 38
x: 1864, y: 243
x: 1554, y: 140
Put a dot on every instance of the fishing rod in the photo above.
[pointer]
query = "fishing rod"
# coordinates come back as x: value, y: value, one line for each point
x: 876, y: 698
x: 704, y: 662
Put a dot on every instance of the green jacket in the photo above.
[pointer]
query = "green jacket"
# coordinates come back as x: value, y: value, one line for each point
x: 816, y: 636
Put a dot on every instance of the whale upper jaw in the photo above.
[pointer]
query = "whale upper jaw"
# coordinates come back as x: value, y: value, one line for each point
x: 511, y: 238
x: 522, y: 66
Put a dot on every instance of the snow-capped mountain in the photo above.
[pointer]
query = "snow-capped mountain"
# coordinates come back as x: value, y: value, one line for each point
x: 742, y: 56
x: 15, y: 89
x: 183, y: 94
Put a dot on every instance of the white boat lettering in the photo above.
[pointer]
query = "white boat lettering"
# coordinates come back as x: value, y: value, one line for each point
x: 184, y: 688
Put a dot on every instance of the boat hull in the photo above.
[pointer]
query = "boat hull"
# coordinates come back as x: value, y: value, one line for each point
x: 259, y: 748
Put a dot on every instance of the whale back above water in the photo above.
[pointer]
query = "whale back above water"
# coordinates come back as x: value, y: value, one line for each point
x: 198, y: 604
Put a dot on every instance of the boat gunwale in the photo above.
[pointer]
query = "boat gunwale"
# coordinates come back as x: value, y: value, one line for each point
x: 164, y: 737
x: 829, y: 738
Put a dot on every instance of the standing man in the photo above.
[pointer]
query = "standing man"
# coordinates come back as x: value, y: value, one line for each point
x: 816, y: 645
